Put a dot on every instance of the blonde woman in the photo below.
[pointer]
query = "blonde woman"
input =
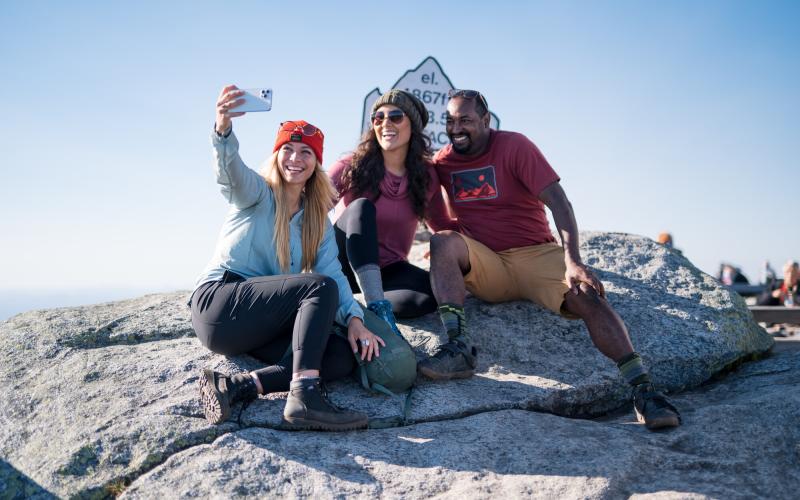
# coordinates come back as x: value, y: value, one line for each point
x: 275, y: 285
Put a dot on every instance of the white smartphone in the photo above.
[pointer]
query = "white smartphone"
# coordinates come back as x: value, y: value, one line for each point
x: 255, y: 100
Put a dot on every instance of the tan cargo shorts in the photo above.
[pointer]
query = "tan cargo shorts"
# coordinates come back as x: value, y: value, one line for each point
x: 534, y: 273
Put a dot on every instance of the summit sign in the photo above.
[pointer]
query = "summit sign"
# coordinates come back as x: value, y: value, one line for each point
x: 430, y: 84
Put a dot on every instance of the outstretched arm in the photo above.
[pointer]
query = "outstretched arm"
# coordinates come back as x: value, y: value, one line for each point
x: 577, y: 272
x: 241, y: 186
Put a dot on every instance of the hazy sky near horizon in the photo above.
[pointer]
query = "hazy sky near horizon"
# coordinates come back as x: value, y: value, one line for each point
x: 676, y: 116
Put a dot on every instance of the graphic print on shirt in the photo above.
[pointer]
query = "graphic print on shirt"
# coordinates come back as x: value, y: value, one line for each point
x: 474, y: 184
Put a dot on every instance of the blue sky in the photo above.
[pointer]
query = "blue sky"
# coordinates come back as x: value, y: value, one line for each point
x: 675, y: 116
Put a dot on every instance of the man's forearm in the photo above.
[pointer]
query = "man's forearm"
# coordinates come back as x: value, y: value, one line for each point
x: 568, y: 230
x: 556, y: 200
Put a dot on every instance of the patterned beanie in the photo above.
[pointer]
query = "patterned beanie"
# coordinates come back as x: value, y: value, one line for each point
x: 410, y: 104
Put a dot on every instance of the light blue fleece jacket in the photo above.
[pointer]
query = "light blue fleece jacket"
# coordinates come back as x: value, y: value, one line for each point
x: 245, y: 244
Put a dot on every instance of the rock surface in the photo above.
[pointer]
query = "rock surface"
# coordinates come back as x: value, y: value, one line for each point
x: 740, y: 439
x: 95, y: 397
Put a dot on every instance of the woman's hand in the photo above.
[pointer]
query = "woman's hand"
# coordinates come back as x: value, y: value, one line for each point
x: 228, y: 98
x: 357, y: 334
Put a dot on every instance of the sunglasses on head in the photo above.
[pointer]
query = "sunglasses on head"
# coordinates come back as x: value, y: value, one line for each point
x: 307, y: 129
x: 468, y: 94
x: 395, y: 116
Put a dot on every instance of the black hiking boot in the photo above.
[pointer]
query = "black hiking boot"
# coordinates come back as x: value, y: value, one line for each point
x: 452, y: 360
x: 219, y: 392
x: 307, y: 408
x: 653, y: 408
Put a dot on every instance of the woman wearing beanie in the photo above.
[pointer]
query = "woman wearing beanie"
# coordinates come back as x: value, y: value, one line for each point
x: 275, y: 285
x: 386, y: 187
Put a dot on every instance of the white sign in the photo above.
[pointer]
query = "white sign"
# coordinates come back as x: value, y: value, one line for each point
x: 429, y: 83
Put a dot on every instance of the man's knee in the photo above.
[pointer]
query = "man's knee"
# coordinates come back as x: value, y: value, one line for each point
x: 586, y: 301
x: 448, y: 244
x: 591, y: 295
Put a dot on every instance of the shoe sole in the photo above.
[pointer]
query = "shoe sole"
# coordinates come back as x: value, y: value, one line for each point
x: 445, y: 376
x: 211, y: 399
x: 301, y: 424
x: 661, y: 422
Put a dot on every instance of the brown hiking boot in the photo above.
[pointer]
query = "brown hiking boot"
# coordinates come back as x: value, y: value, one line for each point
x: 308, y: 408
x: 653, y: 408
x: 452, y: 360
x: 219, y: 392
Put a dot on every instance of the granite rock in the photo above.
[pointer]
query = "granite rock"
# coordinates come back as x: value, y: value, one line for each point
x: 740, y: 439
x: 94, y: 397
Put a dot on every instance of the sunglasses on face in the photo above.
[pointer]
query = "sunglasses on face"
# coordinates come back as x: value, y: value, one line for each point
x: 468, y: 94
x: 307, y: 130
x: 395, y: 116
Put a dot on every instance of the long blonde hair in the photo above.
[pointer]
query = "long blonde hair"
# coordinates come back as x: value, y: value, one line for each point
x: 319, y: 198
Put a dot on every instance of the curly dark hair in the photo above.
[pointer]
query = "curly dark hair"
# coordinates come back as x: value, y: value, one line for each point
x: 366, y: 170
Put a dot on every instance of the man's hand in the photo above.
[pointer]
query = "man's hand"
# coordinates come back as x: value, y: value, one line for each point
x: 359, y: 336
x: 578, y: 273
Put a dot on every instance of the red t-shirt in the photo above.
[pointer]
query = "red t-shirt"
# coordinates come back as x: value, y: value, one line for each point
x: 495, y: 195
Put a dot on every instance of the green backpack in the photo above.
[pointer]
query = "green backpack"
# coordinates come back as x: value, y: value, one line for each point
x: 395, y: 370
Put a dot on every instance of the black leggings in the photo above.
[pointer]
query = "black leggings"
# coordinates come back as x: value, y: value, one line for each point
x: 263, y: 316
x: 405, y: 285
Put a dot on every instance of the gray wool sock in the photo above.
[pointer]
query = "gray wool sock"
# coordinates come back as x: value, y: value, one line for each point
x: 369, y: 280
x: 633, y: 370
x: 454, y: 321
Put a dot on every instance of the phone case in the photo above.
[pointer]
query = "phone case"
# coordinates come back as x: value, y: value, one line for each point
x: 255, y: 100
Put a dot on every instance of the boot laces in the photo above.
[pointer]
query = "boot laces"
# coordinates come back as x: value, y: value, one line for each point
x: 650, y: 396
x: 240, y: 392
x: 323, y: 391
x: 451, y: 349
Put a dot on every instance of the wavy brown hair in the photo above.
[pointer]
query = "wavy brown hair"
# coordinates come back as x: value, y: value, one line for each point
x: 319, y: 197
x: 366, y: 170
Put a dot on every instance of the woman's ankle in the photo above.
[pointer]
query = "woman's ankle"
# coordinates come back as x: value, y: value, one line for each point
x: 305, y: 374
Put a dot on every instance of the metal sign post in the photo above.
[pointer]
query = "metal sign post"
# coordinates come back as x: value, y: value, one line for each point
x: 430, y: 84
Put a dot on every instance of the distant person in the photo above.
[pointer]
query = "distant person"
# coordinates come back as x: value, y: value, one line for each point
x: 498, y: 184
x: 274, y: 285
x: 730, y: 274
x: 726, y: 273
x: 666, y: 240
x: 768, y: 276
x: 785, y: 294
x: 385, y: 188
